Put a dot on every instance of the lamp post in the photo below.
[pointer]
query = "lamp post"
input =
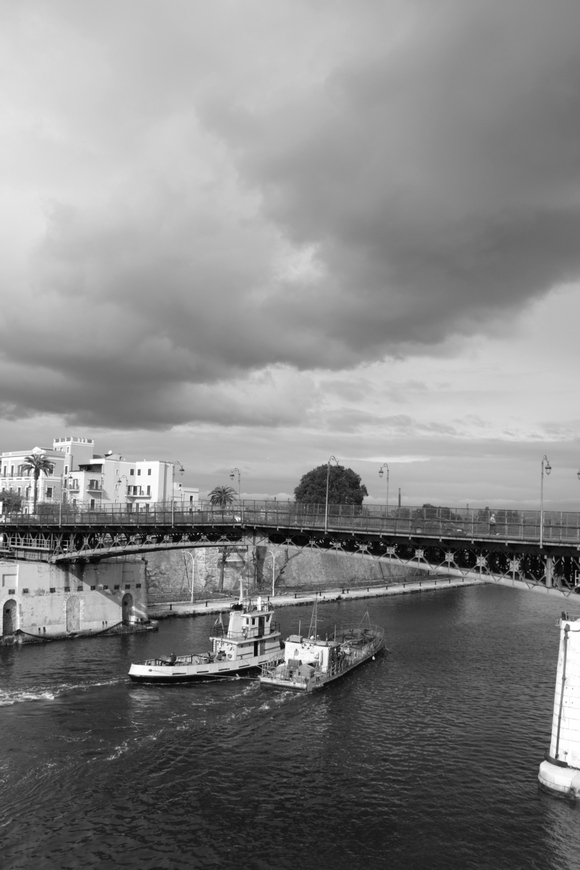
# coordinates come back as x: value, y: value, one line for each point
x: 384, y: 465
x: 545, y: 467
x: 232, y: 477
x: 181, y: 470
x: 118, y: 484
x: 331, y: 459
x: 66, y: 479
x: 273, y: 571
x: 188, y: 553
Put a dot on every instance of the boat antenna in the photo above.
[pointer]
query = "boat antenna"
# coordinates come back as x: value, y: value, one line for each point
x: 312, y: 631
x: 241, y: 589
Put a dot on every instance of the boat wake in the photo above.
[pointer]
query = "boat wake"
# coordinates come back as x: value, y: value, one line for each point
x: 39, y: 693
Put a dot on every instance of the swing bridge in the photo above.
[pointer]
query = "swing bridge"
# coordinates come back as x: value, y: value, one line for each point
x: 538, y: 549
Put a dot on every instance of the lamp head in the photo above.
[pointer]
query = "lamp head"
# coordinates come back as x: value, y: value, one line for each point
x: 380, y: 472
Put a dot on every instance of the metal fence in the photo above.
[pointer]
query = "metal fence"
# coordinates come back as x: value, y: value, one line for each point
x: 563, y: 526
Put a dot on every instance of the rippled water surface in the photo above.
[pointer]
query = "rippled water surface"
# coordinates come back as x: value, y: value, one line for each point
x: 426, y: 757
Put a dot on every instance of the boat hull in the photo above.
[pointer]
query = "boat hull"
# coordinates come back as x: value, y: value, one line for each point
x: 177, y: 672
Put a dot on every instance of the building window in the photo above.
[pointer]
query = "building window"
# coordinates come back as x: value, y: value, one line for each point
x: 105, y: 587
x: 149, y: 471
x: 52, y: 589
x: 127, y: 585
x: 24, y: 591
x: 117, y: 587
x: 148, y: 490
x: 131, y: 471
x: 93, y: 588
x: 138, y: 472
x: 49, y: 491
x: 67, y: 588
x: 138, y: 586
x: 12, y: 592
x: 79, y: 588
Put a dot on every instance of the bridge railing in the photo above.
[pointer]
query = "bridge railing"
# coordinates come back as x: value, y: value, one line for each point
x: 427, y: 520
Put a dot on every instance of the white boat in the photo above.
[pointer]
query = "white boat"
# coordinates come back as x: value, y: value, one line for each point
x: 251, y: 640
x: 311, y: 662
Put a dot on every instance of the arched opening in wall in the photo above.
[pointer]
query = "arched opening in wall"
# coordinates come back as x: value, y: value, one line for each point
x: 73, y: 614
x: 9, y: 617
x: 128, y: 609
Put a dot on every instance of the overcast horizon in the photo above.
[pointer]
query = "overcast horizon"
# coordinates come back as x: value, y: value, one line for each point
x: 256, y: 235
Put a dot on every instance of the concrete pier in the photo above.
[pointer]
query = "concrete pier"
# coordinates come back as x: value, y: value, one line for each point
x: 560, y: 772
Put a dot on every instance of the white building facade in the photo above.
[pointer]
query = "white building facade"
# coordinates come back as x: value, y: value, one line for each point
x: 81, y: 478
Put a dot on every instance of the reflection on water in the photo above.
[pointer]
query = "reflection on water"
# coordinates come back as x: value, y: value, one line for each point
x: 426, y: 757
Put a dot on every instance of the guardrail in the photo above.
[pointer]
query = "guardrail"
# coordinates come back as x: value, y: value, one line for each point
x: 558, y: 526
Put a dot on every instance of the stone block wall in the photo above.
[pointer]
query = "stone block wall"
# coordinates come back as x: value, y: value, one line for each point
x: 169, y: 572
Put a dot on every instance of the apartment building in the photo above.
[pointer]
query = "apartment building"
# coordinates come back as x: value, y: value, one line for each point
x: 81, y: 477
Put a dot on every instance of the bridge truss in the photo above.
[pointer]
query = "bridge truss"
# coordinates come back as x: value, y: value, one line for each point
x: 442, y: 550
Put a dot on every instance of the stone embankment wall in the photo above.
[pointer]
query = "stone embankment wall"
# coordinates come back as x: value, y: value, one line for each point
x: 169, y: 572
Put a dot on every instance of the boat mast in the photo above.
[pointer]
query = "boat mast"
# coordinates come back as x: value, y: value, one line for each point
x: 312, y: 631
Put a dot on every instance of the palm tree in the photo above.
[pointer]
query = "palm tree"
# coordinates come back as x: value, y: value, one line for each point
x: 222, y: 496
x: 38, y: 464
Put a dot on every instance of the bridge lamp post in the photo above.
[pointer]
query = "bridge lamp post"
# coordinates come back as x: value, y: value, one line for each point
x: 181, y: 470
x: 232, y: 477
x: 118, y: 484
x: 65, y: 481
x: 331, y: 459
x: 384, y: 465
x: 545, y: 467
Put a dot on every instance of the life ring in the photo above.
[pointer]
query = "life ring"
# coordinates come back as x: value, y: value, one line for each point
x: 229, y: 655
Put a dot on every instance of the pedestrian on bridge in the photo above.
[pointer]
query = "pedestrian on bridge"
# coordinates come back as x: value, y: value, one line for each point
x: 492, y: 524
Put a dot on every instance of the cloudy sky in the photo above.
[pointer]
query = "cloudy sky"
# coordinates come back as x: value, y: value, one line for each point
x: 257, y: 234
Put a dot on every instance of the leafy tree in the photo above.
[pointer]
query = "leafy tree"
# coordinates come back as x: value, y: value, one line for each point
x: 38, y: 464
x: 12, y: 501
x: 222, y: 496
x: 344, y: 486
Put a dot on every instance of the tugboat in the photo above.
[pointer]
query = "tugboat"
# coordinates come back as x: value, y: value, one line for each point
x: 251, y: 640
x: 311, y: 663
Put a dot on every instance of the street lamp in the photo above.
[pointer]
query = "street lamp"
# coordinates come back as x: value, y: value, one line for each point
x: 232, y: 476
x: 384, y: 465
x: 547, y: 468
x: 273, y: 554
x: 188, y: 553
x: 65, y: 481
x: 331, y: 459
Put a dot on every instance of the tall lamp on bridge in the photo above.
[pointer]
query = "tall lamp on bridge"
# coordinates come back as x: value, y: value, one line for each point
x: 232, y: 476
x: 384, y: 465
x: 181, y: 469
x: 331, y: 459
x: 118, y: 484
x: 546, y: 467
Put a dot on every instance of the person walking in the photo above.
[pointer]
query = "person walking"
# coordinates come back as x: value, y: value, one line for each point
x: 492, y: 524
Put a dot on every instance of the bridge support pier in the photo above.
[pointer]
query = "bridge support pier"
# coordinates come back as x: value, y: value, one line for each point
x: 40, y: 601
x: 560, y: 772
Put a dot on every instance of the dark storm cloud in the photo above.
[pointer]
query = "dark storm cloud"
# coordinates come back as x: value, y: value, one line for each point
x: 407, y: 185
